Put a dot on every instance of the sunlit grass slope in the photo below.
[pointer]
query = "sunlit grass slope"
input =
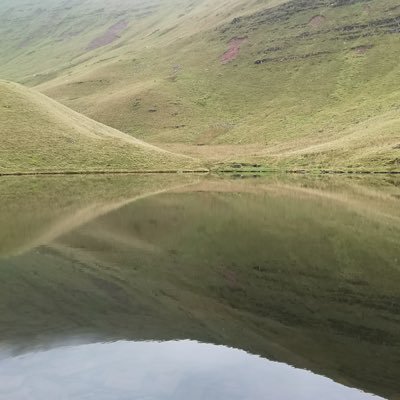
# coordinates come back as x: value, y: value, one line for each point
x: 39, y: 135
x: 314, y: 83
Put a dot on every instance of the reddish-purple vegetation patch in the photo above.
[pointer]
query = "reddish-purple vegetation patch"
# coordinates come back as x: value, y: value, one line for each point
x: 233, y: 51
x: 109, y: 36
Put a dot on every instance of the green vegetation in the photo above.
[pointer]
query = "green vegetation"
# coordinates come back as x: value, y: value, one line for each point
x: 314, y: 84
x: 298, y: 269
x: 39, y: 135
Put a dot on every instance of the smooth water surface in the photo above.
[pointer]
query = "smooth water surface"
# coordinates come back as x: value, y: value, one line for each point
x: 169, y: 370
x: 111, y: 286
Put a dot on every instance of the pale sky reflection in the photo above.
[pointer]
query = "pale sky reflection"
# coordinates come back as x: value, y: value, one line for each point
x: 176, y: 370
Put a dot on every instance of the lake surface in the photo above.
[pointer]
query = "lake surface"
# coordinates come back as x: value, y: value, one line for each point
x: 153, y: 370
x: 189, y: 287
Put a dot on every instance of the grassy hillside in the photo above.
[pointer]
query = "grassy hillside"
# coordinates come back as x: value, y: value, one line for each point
x: 285, y: 268
x: 294, y: 83
x: 38, y: 134
x: 59, y: 34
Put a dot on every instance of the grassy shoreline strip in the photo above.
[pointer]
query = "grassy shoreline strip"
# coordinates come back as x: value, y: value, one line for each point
x: 308, y: 172
x: 200, y: 171
x: 172, y: 171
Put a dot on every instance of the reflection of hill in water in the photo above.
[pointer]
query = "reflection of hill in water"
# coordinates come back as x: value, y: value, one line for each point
x: 301, y: 270
x: 35, y: 210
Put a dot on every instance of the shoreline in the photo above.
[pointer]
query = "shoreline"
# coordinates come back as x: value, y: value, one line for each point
x: 202, y: 172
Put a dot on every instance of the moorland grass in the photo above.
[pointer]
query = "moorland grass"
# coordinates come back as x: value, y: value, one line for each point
x: 39, y: 135
x: 324, y: 94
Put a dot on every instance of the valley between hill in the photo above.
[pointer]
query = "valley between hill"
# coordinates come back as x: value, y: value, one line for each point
x: 39, y: 135
x: 282, y: 84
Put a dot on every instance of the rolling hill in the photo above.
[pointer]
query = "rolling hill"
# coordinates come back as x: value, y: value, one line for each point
x: 38, y: 135
x: 299, y: 83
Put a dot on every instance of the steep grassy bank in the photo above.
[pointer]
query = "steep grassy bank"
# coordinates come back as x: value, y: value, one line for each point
x: 38, y: 135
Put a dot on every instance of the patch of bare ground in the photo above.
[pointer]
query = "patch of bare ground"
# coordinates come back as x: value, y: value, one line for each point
x: 367, y: 8
x: 316, y: 21
x: 233, y: 51
x: 111, y: 35
x: 362, y: 49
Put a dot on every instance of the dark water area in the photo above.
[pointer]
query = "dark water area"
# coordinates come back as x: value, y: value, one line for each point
x: 186, y: 287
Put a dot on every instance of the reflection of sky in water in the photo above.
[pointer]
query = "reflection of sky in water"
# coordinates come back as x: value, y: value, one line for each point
x: 182, y: 370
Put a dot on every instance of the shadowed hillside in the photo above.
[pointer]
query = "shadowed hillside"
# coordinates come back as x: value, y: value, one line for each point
x: 38, y: 134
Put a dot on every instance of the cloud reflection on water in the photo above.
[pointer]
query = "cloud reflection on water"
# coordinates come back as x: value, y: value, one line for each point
x: 174, y: 370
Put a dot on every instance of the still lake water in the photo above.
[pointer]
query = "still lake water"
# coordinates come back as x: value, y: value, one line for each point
x: 185, y: 287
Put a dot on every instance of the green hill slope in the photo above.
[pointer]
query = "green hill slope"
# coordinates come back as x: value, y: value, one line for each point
x: 39, y: 135
x: 59, y: 34
x: 295, y: 83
